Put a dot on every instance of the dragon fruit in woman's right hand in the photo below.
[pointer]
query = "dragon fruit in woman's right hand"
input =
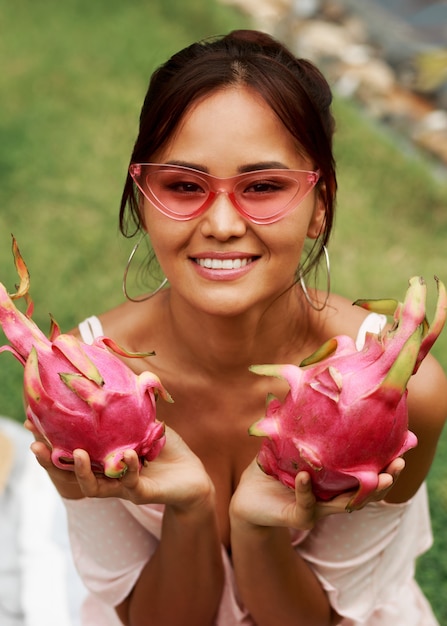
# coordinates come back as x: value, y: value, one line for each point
x: 82, y: 396
x: 345, y: 417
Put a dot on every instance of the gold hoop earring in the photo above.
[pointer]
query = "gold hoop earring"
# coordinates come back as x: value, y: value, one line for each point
x: 126, y: 271
x: 328, y: 285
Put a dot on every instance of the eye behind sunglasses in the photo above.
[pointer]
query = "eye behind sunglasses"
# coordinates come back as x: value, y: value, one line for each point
x: 261, y: 196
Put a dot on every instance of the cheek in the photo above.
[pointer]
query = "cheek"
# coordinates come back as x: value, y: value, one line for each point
x: 167, y: 236
x: 157, y: 225
x: 287, y: 247
x: 157, y: 229
x: 297, y: 226
x: 289, y: 241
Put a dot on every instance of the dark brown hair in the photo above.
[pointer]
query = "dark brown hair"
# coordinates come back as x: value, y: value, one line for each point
x: 294, y: 89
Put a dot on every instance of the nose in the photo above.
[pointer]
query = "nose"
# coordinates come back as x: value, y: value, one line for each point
x: 222, y: 220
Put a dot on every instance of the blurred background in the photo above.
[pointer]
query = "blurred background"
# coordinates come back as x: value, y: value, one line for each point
x: 73, y: 77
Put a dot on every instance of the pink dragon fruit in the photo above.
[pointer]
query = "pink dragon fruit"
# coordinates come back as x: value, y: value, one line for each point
x: 345, y: 416
x: 81, y: 396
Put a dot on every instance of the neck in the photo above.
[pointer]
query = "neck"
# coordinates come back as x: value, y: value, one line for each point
x: 270, y: 334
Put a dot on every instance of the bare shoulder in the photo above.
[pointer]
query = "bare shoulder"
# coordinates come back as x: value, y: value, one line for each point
x: 129, y: 324
x: 111, y: 320
x: 427, y: 413
x: 427, y: 397
x: 342, y: 317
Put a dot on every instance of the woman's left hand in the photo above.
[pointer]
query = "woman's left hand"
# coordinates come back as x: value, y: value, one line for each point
x: 176, y: 477
x: 264, y: 501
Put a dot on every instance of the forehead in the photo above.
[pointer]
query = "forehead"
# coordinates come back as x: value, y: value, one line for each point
x: 231, y: 125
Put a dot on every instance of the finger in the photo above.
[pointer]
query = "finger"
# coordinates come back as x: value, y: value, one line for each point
x: 28, y: 424
x: 60, y: 477
x: 303, y: 483
x: 339, y: 504
x: 42, y: 454
x: 305, y: 512
x: 99, y: 485
x: 303, y: 490
x: 131, y: 477
x: 84, y: 474
x: 396, y: 467
x: 388, y: 478
x: 384, y: 483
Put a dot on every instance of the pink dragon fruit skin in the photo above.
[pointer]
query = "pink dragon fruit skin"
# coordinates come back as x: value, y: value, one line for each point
x: 345, y: 417
x: 82, y: 396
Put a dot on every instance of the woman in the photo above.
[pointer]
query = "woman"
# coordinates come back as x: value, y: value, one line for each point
x: 201, y: 535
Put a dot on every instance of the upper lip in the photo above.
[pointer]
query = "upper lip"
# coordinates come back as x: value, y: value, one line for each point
x: 224, y: 255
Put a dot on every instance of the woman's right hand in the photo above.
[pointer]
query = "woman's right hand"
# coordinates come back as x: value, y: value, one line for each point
x: 176, y: 477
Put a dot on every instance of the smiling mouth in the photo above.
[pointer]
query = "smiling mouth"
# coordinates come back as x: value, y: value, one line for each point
x: 223, y: 264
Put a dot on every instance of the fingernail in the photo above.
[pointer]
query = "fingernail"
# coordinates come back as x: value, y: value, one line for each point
x: 305, y: 480
x: 77, y: 460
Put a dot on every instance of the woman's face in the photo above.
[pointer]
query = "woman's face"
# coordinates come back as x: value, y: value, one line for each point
x: 220, y: 262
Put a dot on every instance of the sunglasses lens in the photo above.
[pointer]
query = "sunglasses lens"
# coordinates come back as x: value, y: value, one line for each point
x: 263, y: 196
x: 181, y: 193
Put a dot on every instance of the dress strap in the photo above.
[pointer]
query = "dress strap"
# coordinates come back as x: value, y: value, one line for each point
x: 373, y: 323
x: 90, y: 329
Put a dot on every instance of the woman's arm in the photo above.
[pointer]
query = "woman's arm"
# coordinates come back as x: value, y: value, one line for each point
x: 275, y: 583
x: 182, y: 581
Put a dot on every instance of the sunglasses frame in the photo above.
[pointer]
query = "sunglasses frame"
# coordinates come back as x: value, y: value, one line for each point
x: 214, y: 186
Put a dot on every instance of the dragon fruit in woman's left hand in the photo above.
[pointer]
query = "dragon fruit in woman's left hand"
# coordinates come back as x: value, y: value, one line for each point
x: 79, y: 395
x: 345, y: 417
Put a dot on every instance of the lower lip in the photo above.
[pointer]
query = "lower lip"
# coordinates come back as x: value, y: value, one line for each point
x: 213, y: 274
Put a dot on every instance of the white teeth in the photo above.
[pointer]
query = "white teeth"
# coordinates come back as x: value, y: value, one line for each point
x: 223, y: 264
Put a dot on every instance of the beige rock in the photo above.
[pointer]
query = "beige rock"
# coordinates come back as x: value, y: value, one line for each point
x: 315, y: 38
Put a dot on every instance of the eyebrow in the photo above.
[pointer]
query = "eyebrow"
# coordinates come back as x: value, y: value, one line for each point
x: 263, y: 165
x: 250, y: 167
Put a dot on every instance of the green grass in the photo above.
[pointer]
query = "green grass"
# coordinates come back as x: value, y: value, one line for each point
x: 73, y: 77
